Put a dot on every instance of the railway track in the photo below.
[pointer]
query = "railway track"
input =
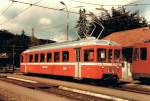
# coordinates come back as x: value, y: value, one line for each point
x: 135, y: 89
x: 120, y: 86
x: 125, y: 87
x: 73, y: 93
x: 70, y: 93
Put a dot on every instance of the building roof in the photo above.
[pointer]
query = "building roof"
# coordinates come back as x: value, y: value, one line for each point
x: 130, y: 37
x: 68, y: 44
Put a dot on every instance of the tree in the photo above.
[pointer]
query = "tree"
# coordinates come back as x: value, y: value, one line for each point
x: 11, y: 43
x: 118, y: 20
x: 82, y: 24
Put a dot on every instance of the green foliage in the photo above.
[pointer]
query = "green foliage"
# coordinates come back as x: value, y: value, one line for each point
x: 118, y: 20
x: 10, y: 41
x: 82, y: 24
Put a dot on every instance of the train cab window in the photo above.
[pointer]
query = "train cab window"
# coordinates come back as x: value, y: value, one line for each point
x: 42, y: 57
x: 143, y: 53
x: 136, y: 54
x: 116, y: 55
x: 56, y: 57
x: 49, y: 57
x: 30, y: 58
x: 101, y: 55
x: 89, y: 55
x: 36, y: 58
x: 110, y: 55
x: 65, y: 56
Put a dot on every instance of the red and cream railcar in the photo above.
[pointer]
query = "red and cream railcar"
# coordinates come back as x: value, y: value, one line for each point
x: 93, y: 59
x: 141, y: 61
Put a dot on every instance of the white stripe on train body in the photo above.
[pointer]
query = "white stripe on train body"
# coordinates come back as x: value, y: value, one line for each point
x: 74, y: 63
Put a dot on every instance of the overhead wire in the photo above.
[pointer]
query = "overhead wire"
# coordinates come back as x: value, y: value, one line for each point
x: 56, y: 9
x: 19, y: 13
x: 130, y: 4
x: 32, y: 4
x: 35, y: 4
x: 4, y: 11
x: 91, y: 13
x: 144, y: 4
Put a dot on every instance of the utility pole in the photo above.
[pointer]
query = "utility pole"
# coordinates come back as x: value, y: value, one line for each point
x: 33, y: 39
x: 67, y: 34
x: 13, y: 49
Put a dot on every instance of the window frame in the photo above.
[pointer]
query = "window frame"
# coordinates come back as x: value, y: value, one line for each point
x: 30, y: 59
x: 117, y: 59
x: 99, y: 51
x: 49, y: 59
x: 55, y: 58
x: 36, y: 59
x: 141, y: 55
x: 67, y: 59
x: 136, y: 55
x: 86, y: 59
x: 110, y: 58
x: 42, y: 57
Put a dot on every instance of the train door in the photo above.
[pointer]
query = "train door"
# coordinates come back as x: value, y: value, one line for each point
x: 78, y: 59
x: 140, y: 60
x: 127, y: 61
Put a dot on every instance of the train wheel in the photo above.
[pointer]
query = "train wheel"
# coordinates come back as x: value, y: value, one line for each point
x: 108, y: 80
x: 112, y: 80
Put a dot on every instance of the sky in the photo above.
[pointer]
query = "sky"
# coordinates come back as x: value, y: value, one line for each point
x: 51, y: 24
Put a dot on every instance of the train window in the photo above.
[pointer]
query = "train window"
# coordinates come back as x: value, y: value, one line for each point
x: 101, y: 55
x: 56, y: 57
x: 42, y: 57
x: 143, y: 53
x: 116, y: 55
x: 136, y: 54
x: 65, y: 56
x: 88, y: 55
x: 49, y: 57
x: 110, y: 55
x: 36, y: 58
x: 30, y: 58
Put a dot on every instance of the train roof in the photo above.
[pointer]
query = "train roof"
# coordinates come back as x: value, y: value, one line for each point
x: 68, y: 44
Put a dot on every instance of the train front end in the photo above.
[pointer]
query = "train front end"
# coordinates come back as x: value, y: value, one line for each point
x: 102, y: 62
